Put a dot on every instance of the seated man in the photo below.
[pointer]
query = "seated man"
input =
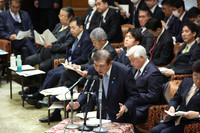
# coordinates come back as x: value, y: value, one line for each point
x: 76, y: 54
x: 51, y: 51
x: 162, y: 51
x: 2, y: 5
x: 119, y: 94
x: 188, y: 53
x: 148, y: 79
x: 133, y: 37
x: 186, y: 99
x: 11, y: 22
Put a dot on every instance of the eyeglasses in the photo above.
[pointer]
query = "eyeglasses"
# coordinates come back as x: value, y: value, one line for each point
x: 62, y: 16
x: 15, y: 7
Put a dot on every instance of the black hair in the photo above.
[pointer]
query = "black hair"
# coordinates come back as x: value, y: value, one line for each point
x: 69, y: 10
x: 79, y: 20
x: 193, y: 12
x: 146, y: 9
x: 102, y: 55
x: 196, y: 66
x: 178, y: 4
x: 153, y: 24
x: 20, y: 1
x: 136, y: 34
x: 192, y: 26
x: 166, y: 2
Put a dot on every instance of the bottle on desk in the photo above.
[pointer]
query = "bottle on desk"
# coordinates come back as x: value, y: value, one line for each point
x: 19, y: 63
x: 12, y: 60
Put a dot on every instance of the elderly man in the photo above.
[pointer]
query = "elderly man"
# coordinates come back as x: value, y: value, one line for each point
x: 148, y: 82
x: 119, y: 93
x: 186, y: 99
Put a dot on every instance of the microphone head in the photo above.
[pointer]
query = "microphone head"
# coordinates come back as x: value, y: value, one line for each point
x: 95, y: 77
x: 89, y: 77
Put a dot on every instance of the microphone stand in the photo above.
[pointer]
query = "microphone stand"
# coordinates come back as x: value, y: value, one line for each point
x: 72, y: 125
x: 100, y: 129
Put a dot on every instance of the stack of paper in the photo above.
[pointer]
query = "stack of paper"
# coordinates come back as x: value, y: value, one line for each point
x: 92, y: 114
x: 178, y: 113
x: 2, y: 52
x: 63, y: 96
x: 24, y: 67
x: 162, y: 69
x: 30, y: 73
x: 55, y: 91
x: 70, y: 67
x: 96, y: 122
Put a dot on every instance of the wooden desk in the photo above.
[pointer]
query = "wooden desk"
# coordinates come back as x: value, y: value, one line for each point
x: 112, y: 127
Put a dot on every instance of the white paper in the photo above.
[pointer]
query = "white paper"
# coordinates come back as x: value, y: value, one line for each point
x: 57, y: 105
x: 95, y: 122
x: 61, y: 97
x: 92, y: 114
x: 24, y: 67
x: 55, y: 91
x: 2, y: 52
x: 70, y: 67
x: 178, y: 113
x: 30, y: 73
x: 22, y: 34
x: 162, y: 69
x: 124, y: 7
x: 45, y: 36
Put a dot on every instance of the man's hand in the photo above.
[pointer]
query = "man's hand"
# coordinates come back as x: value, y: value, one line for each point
x: 36, y: 4
x: 164, y: 24
x: 118, y: 50
x: 75, y: 66
x: 47, y: 44
x: 82, y: 73
x: 172, y: 110
x: 76, y: 105
x: 191, y: 115
x: 121, y: 111
x: 168, y: 73
x: 13, y: 37
x: 56, y: 5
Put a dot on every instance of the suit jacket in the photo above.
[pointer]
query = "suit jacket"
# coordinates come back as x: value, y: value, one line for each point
x: 179, y: 99
x: 58, y: 50
x: 48, y: 3
x: 120, y: 90
x: 147, y: 40
x: 108, y: 47
x: 7, y: 24
x: 112, y: 26
x: 163, y: 53
x: 81, y: 51
x: 158, y: 13
x: 184, y: 61
x: 173, y: 25
x: 149, y: 86
x: 124, y: 59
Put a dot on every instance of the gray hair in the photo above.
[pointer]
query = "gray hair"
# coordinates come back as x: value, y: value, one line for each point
x: 137, y: 51
x: 98, y: 34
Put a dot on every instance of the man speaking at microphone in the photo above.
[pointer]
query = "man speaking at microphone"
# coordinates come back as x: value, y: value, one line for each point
x: 119, y: 94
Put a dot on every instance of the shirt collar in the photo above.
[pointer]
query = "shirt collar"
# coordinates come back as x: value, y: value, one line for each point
x: 109, y: 71
x: 105, y: 13
x: 190, y: 45
x: 137, y: 4
x: 79, y: 36
x: 153, y: 8
x: 105, y: 45
x: 13, y: 15
x: 181, y: 17
x: 144, y: 65
x: 163, y: 29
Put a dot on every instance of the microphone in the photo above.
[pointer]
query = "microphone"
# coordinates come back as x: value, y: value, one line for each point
x: 89, y: 77
x: 94, y: 79
x: 72, y: 87
x: 100, y: 90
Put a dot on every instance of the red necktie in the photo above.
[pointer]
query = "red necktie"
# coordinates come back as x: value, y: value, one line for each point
x: 150, y: 52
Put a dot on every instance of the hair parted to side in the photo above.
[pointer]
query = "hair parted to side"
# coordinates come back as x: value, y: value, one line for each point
x: 102, y: 55
x: 137, y: 51
x: 79, y: 21
x: 98, y: 34
x: 196, y: 66
x: 69, y: 10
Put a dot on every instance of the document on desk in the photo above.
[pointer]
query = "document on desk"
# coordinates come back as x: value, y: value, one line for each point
x: 178, y: 113
x: 30, y: 73
x: 2, y: 52
x: 55, y: 91
x: 45, y: 36
x: 70, y: 67
x: 63, y: 96
x: 162, y: 69
x: 22, y: 34
x: 24, y: 67
x: 92, y: 114
x: 95, y: 122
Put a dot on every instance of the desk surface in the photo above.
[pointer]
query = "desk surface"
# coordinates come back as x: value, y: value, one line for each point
x: 113, y: 127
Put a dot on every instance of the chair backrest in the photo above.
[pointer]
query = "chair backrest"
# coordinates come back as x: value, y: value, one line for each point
x: 57, y: 62
x: 6, y: 46
x: 125, y: 28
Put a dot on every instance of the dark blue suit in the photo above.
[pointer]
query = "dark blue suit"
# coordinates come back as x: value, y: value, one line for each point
x: 9, y: 26
x: 124, y: 59
x: 179, y: 99
x: 79, y: 56
x: 121, y: 89
x: 158, y: 13
x: 149, y: 86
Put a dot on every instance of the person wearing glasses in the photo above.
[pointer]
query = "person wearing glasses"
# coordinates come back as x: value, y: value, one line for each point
x: 51, y: 51
x: 11, y: 22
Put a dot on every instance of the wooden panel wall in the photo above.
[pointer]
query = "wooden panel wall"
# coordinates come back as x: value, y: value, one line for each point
x: 79, y: 6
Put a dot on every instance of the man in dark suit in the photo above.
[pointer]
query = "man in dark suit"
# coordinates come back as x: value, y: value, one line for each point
x: 51, y: 51
x: 148, y: 82
x: 162, y: 51
x: 109, y: 21
x: 48, y: 13
x: 155, y: 9
x: 76, y: 54
x: 2, y: 5
x: 186, y: 99
x: 11, y: 22
x: 188, y: 53
x: 171, y: 23
x: 119, y: 94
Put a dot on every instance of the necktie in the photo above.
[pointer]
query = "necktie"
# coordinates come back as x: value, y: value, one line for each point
x: 138, y: 74
x: 133, y: 19
x: 105, y: 84
x: 150, y: 51
x: 186, y: 48
x: 101, y: 23
x: 72, y: 49
x: 62, y: 28
x: 16, y: 18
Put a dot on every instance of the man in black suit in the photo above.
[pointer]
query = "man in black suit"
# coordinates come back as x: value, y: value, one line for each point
x: 2, y: 5
x: 119, y: 94
x: 155, y: 9
x: 148, y: 79
x: 186, y: 99
x: 51, y: 51
x: 162, y: 51
x: 188, y: 53
x: 48, y: 13
x: 110, y: 21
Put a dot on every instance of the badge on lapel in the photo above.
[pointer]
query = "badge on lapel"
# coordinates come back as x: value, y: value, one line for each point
x: 113, y: 81
x: 144, y: 73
